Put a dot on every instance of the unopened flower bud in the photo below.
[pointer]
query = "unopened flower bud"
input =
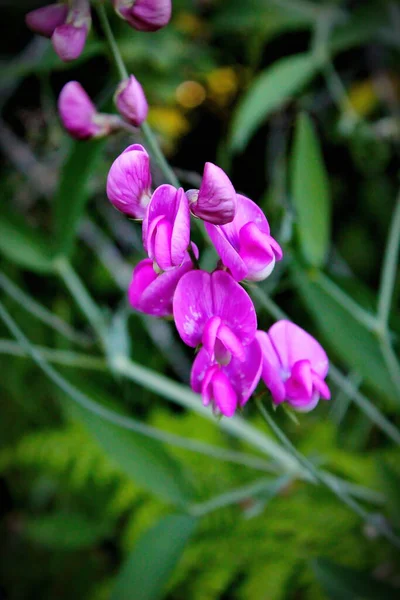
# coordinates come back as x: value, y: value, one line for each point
x: 144, y: 15
x: 215, y: 201
x: 79, y: 116
x: 69, y: 38
x: 45, y: 20
x: 131, y: 101
x: 129, y: 182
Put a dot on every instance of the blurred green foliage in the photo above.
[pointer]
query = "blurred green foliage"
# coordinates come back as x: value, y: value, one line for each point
x: 299, y: 102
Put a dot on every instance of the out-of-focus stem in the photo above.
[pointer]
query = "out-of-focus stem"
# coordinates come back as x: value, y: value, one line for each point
x: 147, y: 133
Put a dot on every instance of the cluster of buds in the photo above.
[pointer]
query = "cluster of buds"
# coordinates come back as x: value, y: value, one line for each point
x: 67, y: 24
x: 81, y: 119
x: 212, y: 312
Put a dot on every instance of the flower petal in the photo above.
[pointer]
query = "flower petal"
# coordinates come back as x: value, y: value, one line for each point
x: 228, y: 254
x: 271, y: 369
x: 216, y: 200
x: 193, y: 306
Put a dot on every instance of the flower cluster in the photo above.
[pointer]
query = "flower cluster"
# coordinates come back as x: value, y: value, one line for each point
x: 67, y: 24
x: 212, y: 312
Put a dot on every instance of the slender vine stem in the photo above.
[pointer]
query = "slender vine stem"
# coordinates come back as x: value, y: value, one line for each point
x: 389, y: 268
x: 146, y: 130
x: 320, y: 476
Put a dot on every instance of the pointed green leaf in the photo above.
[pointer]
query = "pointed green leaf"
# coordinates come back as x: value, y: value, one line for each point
x: 269, y: 91
x: 153, y: 560
x: 344, y: 336
x: 73, y: 191
x: 144, y: 460
x: 310, y: 193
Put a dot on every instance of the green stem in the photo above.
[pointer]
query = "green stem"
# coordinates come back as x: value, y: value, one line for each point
x: 41, y: 313
x: 82, y: 297
x: 241, y: 494
x: 389, y: 268
x: 330, y: 483
x: 61, y: 357
x: 148, y: 135
x: 126, y: 422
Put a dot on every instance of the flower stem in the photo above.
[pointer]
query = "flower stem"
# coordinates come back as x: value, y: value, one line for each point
x: 148, y: 135
x: 389, y: 269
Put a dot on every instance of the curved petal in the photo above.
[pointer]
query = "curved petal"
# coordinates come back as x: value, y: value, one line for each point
x: 193, y: 306
x: 152, y: 293
x: 69, y: 41
x: 271, y: 368
x: 235, y: 307
x: 256, y: 252
x: 129, y: 181
x: 216, y: 199
x: 304, y: 405
x: 223, y: 393
x: 292, y: 344
x: 44, y: 20
x: 213, y: 383
x: 245, y: 375
x: 181, y: 228
x: 228, y: 254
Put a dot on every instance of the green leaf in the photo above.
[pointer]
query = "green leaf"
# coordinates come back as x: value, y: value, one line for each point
x: 154, y: 558
x: 310, y: 192
x: 269, y: 91
x: 65, y: 531
x: 344, y: 335
x: 144, y: 460
x: 73, y: 191
x: 343, y: 583
x: 390, y: 483
x: 23, y: 246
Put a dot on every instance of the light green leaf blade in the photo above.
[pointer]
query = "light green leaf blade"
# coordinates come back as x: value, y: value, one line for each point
x: 154, y: 558
x: 23, y: 246
x: 144, y: 460
x: 310, y: 193
x: 269, y: 91
x: 73, y: 191
x: 344, y: 336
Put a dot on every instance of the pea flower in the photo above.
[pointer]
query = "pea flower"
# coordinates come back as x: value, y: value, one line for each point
x: 67, y: 27
x: 166, y: 227
x: 129, y: 182
x: 214, y: 310
x: 44, y: 20
x: 79, y: 115
x: 227, y: 387
x: 294, y: 366
x: 151, y: 292
x: 144, y: 15
x: 131, y: 101
x: 245, y: 245
x: 215, y: 201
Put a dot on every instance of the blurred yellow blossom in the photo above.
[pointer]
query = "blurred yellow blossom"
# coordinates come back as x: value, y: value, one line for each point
x: 190, y: 94
x: 222, y: 84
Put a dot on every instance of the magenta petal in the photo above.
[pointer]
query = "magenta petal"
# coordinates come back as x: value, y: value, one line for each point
x: 193, y: 306
x: 216, y: 200
x: 256, y: 252
x: 224, y: 396
x: 152, y: 293
x: 245, y: 374
x: 321, y: 387
x: 77, y: 111
x: 181, y: 228
x: 300, y: 382
x: 131, y: 101
x: 162, y: 245
x: 231, y: 342
x: 233, y: 304
x: 69, y: 41
x: 304, y: 405
x: 129, y: 181
x: 228, y: 254
x: 44, y: 20
x: 293, y: 344
x: 271, y: 370
x: 209, y: 336
x: 145, y: 15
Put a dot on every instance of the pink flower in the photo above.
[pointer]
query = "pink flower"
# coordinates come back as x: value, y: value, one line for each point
x: 145, y: 15
x: 131, y: 101
x: 79, y: 116
x: 166, y: 227
x: 245, y: 245
x: 215, y: 201
x: 294, y: 366
x: 214, y: 310
x: 129, y: 182
x: 67, y: 27
x: 44, y: 20
x: 227, y: 387
x: 151, y: 292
